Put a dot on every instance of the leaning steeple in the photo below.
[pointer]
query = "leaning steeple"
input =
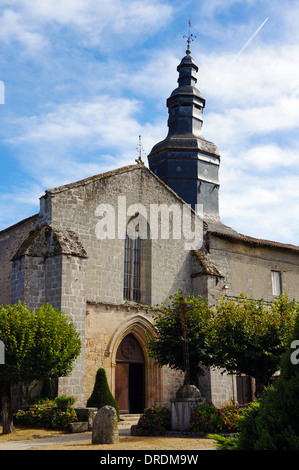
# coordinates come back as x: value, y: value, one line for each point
x: 184, y: 160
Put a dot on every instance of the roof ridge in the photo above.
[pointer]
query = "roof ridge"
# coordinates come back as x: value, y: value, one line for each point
x: 87, y: 180
x: 17, y: 224
x: 257, y: 241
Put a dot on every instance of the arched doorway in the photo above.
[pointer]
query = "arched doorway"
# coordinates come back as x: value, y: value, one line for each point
x: 130, y: 376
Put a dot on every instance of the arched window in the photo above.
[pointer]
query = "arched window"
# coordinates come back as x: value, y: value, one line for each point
x: 132, y: 266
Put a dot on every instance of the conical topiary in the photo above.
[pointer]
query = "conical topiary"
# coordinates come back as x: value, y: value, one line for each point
x: 101, y: 395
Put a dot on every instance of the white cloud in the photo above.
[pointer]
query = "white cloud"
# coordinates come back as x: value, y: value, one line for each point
x: 260, y: 76
x: 266, y: 157
x: 53, y: 145
x: 93, y: 22
x: 13, y: 28
x: 252, y: 114
x: 21, y: 202
x: 104, y: 120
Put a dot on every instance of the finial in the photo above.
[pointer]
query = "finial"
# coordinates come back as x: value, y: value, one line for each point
x: 189, y: 38
x: 140, y: 152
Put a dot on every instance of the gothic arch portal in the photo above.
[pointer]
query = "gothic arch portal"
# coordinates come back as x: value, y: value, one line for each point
x: 137, y: 326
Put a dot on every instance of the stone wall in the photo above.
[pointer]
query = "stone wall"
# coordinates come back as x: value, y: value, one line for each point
x: 98, y: 279
x: 75, y: 207
x: 10, y: 240
x: 72, y: 285
x: 106, y: 326
x: 247, y: 267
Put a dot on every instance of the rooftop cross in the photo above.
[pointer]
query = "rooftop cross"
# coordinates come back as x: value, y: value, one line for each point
x: 189, y: 38
x: 140, y: 152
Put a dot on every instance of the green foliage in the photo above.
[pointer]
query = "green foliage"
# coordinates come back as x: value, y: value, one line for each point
x: 38, y: 345
x: 17, y: 331
x: 250, y: 336
x: 44, y: 416
x: 248, y: 430
x: 101, y: 395
x: 223, y: 442
x: 168, y: 347
x: 244, y: 335
x: 155, y: 421
x: 209, y: 419
x: 274, y: 423
x: 64, y: 401
x: 57, y: 343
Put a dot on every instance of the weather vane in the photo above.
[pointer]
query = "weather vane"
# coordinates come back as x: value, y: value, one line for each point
x: 190, y: 37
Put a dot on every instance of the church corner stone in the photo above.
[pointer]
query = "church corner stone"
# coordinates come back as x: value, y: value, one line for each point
x: 105, y: 426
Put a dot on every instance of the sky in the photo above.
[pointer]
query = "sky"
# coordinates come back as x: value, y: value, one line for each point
x: 82, y: 79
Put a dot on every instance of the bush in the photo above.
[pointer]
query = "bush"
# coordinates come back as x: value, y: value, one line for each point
x: 155, y: 421
x: 224, y: 443
x: 42, y: 416
x: 248, y: 430
x: 209, y: 419
x: 274, y: 423
x: 64, y: 401
x: 101, y: 395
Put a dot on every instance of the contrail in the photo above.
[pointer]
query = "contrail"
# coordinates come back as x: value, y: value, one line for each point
x: 244, y: 47
x: 249, y: 40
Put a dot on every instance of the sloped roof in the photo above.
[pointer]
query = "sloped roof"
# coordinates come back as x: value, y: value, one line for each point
x: 238, y: 237
x: 208, y: 264
x: 46, y: 242
x: 110, y: 174
x: 107, y: 174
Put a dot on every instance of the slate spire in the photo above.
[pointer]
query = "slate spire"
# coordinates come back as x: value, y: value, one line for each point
x: 184, y: 160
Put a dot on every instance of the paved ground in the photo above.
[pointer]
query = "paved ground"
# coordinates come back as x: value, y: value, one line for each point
x: 82, y: 441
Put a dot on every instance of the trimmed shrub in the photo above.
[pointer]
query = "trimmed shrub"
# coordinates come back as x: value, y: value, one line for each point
x: 101, y: 395
x: 155, y: 421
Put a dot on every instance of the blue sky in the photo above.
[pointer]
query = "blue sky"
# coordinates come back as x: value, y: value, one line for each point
x: 84, y: 78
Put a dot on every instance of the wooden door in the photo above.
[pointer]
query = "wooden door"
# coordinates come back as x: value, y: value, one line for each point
x: 122, y: 386
x: 244, y: 391
x: 129, y: 376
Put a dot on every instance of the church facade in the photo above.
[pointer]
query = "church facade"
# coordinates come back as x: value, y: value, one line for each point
x: 107, y: 248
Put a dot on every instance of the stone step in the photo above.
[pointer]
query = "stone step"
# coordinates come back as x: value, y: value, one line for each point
x: 129, y: 417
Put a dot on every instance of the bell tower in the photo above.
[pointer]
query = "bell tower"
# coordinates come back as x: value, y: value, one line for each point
x: 184, y: 160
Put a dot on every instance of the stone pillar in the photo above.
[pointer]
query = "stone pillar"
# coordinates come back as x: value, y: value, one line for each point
x: 187, y: 397
x: 105, y: 426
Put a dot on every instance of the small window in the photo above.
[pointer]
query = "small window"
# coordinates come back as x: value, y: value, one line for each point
x: 276, y: 283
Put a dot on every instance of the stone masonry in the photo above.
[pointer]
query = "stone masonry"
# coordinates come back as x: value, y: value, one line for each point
x: 62, y: 256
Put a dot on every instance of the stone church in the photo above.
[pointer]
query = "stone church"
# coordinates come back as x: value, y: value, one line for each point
x: 107, y: 248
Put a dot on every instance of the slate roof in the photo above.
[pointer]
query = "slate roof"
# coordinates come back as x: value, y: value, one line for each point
x: 255, y: 241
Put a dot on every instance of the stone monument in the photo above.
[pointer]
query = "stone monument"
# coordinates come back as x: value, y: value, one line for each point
x: 105, y: 426
x: 187, y: 397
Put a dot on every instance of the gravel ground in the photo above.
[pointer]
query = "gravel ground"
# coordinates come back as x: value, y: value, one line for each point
x: 39, y: 439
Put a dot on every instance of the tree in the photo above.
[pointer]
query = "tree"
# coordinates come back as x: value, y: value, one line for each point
x: 101, y: 395
x: 183, y: 335
x: 250, y: 336
x: 276, y: 418
x: 39, y: 345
